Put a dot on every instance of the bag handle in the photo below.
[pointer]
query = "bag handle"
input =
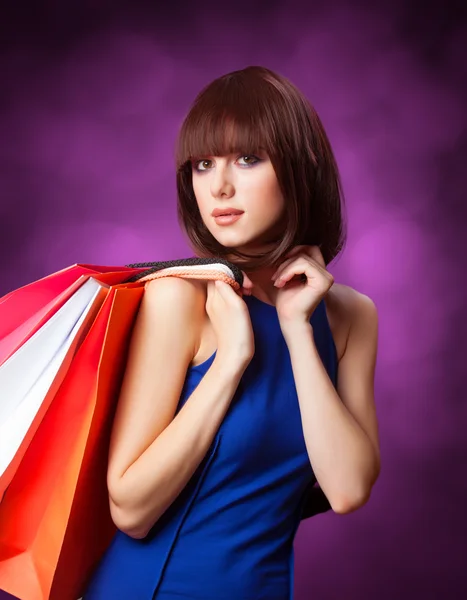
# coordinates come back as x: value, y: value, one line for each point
x: 194, y: 267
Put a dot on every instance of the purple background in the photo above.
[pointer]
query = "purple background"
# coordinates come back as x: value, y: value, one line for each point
x: 92, y: 97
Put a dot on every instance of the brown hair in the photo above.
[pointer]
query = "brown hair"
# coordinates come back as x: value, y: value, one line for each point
x: 267, y: 111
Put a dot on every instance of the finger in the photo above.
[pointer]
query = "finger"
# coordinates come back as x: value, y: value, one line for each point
x: 311, y: 271
x: 302, y: 256
x: 247, y: 283
x: 223, y: 288
x: 209, y: 291
x: 313, y: 251
x: 316, y: 254
x: 290, y: 271
x: 293, y: 253
x: 295, y: 250
x: 281, y: 268
x: 228, y: 292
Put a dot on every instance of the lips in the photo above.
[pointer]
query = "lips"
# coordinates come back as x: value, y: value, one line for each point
x: 218, y: 212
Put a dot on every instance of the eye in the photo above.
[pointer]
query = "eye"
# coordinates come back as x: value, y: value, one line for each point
x: 196, y: 164
x: 250, y: 156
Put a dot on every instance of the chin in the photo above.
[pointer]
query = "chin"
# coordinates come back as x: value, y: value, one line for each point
x: 235, y: 240
x: 244, y: 243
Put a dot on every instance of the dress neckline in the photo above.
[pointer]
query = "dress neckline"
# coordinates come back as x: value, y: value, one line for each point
x: 260, y: 301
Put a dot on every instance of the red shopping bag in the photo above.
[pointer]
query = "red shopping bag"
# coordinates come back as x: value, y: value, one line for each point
x: 58, y: 498
x: 24, y: 310
x: 36, y: 305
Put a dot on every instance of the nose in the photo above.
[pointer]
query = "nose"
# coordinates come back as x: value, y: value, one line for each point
x: 221, y: 183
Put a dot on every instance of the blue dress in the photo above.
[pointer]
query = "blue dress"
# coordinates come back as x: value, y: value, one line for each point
x: 229, y: 534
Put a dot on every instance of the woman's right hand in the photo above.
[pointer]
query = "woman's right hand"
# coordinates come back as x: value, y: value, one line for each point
x: 230, y: 320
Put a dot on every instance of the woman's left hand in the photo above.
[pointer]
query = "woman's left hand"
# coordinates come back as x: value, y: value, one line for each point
x: 296, y: 300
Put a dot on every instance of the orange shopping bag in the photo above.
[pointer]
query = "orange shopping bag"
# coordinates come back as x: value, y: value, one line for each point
x: 55, y: 520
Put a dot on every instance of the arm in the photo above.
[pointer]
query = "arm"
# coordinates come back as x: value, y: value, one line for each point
x: 152, y: 453
x: 340, y: 426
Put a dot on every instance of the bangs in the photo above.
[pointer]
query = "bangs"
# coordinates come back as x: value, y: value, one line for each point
x: 227, y: 121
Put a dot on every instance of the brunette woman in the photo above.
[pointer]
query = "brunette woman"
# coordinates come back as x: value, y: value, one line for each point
x: 233, y: 406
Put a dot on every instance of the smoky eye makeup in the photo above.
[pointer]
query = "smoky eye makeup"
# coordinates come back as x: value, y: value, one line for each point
x: 251, y: 160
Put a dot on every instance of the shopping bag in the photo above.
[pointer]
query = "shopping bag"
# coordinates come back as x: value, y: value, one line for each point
x: 30, y: 378
x: 72, y: 441
x: 54, y: 518
x: 24, y: 310
x: 54, y: 327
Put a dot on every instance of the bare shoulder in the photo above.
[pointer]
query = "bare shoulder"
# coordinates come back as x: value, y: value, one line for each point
x: 350, y: 300
x: 185, y: 291
x: 346, y: 307
x: 181, y: 298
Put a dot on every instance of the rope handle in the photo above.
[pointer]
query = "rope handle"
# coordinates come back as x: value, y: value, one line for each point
x: 192, y: 268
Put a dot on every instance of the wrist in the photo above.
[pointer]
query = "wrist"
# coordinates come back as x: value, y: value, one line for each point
x: 231, y: 365
x: 295, y: 331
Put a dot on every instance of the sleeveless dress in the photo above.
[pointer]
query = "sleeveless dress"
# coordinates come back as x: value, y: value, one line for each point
x: 229, y: 534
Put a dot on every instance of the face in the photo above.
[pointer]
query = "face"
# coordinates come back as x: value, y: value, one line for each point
x: 244, y: 182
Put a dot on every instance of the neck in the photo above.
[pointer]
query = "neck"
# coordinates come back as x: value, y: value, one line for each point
x: 263, y: 286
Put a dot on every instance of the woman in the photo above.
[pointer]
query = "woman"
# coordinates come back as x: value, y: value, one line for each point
x: 230, y: 408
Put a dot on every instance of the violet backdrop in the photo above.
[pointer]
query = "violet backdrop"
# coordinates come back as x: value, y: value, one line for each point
x: 92, y: 96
